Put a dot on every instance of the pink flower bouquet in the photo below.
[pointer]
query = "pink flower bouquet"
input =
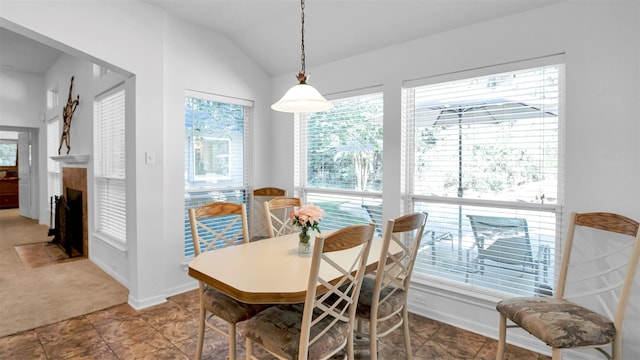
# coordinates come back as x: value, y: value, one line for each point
x: 307, y: 216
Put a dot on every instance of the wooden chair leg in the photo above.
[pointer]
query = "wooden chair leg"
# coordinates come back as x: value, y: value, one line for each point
x: 502, y: 338
x: 373, y: 339
x: 200, y: 334
x: 232, y: 341
x: 616, y: 348
x: 249, y: 349
x: 406, y: 333
x: 201, y: 325
x: 350, y: 346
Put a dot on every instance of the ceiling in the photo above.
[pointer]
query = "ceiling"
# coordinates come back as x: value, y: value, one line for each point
x: 269, y: 31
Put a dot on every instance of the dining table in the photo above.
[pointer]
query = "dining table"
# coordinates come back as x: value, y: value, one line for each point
x: 272, y: 271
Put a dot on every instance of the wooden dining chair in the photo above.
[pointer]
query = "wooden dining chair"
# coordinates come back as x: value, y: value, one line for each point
x: 258, y: 224
x: 608, y: 274
x: 323, y: 325
x: 383, y: 295
x: 277, y: 211
x: 213, y: 226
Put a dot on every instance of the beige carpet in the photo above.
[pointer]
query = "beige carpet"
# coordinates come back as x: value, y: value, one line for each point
x: 33, y: 297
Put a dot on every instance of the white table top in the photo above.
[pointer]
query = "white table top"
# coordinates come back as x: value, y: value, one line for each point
x: 269, y: 270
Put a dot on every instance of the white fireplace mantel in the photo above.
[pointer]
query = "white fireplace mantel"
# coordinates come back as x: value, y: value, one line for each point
x: 71, y: 159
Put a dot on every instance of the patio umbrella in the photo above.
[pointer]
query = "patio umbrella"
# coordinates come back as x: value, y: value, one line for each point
x: 477, y: 110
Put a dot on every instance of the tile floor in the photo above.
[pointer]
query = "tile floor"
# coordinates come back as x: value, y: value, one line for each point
x: 169, y: 331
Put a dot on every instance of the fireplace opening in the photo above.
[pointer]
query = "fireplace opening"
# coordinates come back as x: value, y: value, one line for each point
x: 74, y: 227
x: 69, y: 231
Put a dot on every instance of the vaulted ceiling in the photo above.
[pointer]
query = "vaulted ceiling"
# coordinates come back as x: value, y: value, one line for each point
x: 269, y: 31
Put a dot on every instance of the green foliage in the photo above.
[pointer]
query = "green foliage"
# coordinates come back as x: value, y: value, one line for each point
x: 345, y: 145
x: 8, y: 153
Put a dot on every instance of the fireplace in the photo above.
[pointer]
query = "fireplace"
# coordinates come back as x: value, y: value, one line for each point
x: 74, y: 226
x: 71, y: 213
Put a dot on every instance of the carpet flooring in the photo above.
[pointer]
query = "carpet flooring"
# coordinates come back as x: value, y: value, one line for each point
x: 38, y: 292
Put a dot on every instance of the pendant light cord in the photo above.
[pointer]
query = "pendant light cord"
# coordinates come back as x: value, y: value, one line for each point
x: 302, y: 78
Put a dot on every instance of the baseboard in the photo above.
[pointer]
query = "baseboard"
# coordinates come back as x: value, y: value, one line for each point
x: 145, y: 303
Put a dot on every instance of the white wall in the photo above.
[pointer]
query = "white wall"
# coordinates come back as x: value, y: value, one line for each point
x: 22, y: 104
x: 165, y: 57
x: 601, y: 43
x: 86, y: 30
x: 196, y: 59
x: 21, y: 99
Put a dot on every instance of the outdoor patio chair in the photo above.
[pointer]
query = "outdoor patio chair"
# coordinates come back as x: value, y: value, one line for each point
x: 504, y: 243
x: 600, y: 278
x: 375, y: 213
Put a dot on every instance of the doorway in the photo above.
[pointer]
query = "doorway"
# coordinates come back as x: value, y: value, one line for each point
x: 27, y: 167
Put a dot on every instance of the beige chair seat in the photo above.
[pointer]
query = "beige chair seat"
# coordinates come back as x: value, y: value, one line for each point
x: 560, y: 323
x: 228, y: 308
x: 391, y: 305
x: 278, y: 329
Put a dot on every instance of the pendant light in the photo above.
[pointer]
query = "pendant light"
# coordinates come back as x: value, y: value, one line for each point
x: 302, y: 98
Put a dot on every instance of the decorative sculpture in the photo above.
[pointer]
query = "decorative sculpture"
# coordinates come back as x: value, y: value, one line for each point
x: 67, y: 115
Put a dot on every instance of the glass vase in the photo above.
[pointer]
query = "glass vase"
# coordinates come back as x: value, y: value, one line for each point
x: 304, y: 245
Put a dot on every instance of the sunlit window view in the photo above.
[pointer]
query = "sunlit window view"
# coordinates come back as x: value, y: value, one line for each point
x: 339, y: 167
x: 484, y: 166
x: 8, y: 154
x: 215, y: 137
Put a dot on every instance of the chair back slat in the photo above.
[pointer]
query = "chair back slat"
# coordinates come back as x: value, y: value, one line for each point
x: 217, y: 225
x: 277, y: 211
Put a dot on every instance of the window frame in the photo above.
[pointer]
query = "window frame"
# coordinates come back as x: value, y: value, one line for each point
x: 316, y: 194
x: 110, y: 174
x: 415, y: 198
x: 233, y: 191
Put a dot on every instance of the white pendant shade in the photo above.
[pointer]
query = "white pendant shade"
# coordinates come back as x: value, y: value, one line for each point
x: 302, y: 98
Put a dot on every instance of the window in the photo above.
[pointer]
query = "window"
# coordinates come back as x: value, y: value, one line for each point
x: 484, y: 164
x: 8, y: 153
x: 339, y: 166
x: 53, y: 167
x: 109, y: 165
x: 216, y: 133
x: 52, y: 98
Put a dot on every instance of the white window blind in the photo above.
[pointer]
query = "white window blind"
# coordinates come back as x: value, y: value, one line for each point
x: 109, y: 165
x: 217, y: 133
x: 485, y: 165
x: 340, y: 162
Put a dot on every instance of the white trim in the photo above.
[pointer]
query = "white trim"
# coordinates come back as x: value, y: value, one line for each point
x: 218, y: 98
x: 112, y: 243
x: 486, y: 70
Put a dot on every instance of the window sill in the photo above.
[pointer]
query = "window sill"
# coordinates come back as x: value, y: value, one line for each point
x: 116, y: 245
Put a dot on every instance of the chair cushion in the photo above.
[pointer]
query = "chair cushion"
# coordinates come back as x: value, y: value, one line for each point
x: 558, y: 322
x: 391, y: 305
x: 228, y: 308
x: 278, y: 330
